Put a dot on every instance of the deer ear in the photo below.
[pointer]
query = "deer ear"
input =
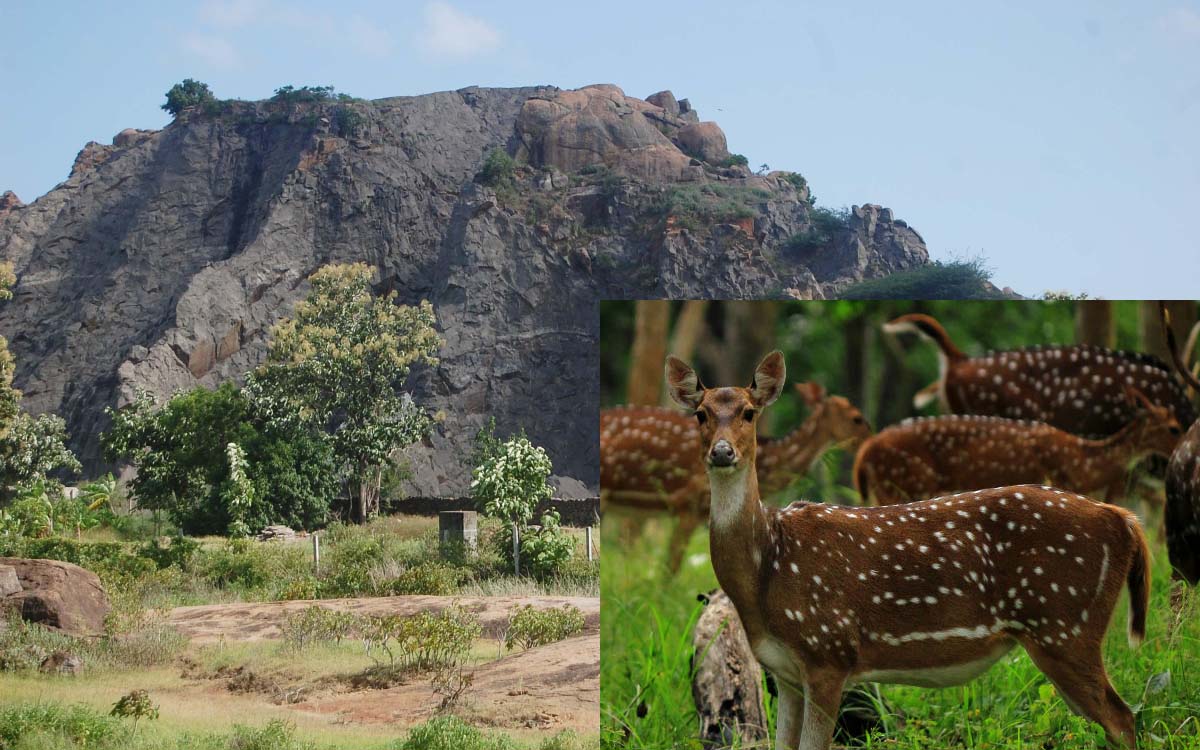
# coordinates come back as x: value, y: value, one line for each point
x: 813, y: 393
x: 768, y: 379
x: 683, y: 383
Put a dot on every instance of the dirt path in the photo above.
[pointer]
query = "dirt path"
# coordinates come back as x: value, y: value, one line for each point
x: 549, y: 688
x: 261, y: 620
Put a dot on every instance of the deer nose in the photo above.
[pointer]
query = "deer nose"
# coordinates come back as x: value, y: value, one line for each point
x: 721, y: 454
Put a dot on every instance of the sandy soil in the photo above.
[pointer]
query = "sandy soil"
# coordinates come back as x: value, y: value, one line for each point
x: 546, y: 688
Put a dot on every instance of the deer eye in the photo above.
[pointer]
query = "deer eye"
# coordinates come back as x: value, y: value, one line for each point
x: 748, y: 415
x: 701, y: 417
x: 859, y: 420
x: 1175, y: 430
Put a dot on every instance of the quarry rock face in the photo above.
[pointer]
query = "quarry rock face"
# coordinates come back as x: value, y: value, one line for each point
x: 164, y: 259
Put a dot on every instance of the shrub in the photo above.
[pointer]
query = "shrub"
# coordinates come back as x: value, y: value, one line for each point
x: 959, y: 279
x: 304, y: 94
x: 711, y: 203
x: 313, y: 625
x: 179, y: 551
x: 734, y: 160
x: 421, y: 642
x: 452, y: 733
x: 135, y: 705
x: 277, y: 734
x: 529, y: 627
x: 188, y: 93
x: 59, y: 724
x: 796, y: 179
x: 545, y: 550
x: 498, y: 168
x: 350, y: 561
x: 824, y: 225
x: 428, y: 579
x: 347, y: 121
x: 239, y: 563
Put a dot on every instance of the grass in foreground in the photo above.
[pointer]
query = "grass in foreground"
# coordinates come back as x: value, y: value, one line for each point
x: 645, y: 675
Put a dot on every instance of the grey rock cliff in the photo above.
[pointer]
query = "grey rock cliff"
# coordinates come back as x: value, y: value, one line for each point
x: 164, y: 258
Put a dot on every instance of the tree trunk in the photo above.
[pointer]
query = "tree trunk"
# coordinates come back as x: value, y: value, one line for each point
x: 1094, y: 323
x: 727, y: 680
x: 649, y: 352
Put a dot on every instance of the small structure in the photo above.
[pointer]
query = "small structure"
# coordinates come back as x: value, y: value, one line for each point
x: 458, y: 530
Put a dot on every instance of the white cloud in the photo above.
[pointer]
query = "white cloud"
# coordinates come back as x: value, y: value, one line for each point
x: 213, y: 50
x: 368, y: 38
x: 449, y: 32
x: 1181, y: 22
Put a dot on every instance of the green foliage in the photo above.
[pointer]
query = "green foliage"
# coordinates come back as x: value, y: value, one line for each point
x: 512, y: 481
x: 239, y: 563
x: 545, y: 550
x: 734, y: 160
x: 276, y: 734
x: 958, y: 279
x: 710, y: 203
x: 79, y: 725
x: 498, y: 168
x: 33, y: 447
x: 135, y: 705
x: 304, y: 94
x: 452, y: 733
x: 350, y: 562
x: 796, y: 179
x: 283, y: 473
x: 430, y: 578
x: 422, y: 642
x: 314, y: 625
x: 188, y: 93
x: 529, y: 627
x: 347, y: 121
x: 338, y: 368
x: 824, y: 225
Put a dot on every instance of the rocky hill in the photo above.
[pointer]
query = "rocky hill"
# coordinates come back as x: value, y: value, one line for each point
x: 165, y: 257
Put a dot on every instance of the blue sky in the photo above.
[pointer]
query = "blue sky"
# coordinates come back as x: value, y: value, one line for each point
x: 1059, y: 140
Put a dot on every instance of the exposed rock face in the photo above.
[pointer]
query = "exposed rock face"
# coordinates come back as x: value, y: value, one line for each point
x: 58, y: 595
x: 165, y: 258
x: 704, y: 139
x: 9, y: 201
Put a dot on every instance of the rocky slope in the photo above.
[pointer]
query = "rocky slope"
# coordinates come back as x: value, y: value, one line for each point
x: 164, y: 258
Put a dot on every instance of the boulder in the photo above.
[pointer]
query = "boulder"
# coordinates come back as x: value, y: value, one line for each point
x: 58, y: 595
x: 8, y: 580
x: 61, y: 662
x: 666, y: 100
x: 132, y: 137
x: 282, y: 533
x: 569, y: 130
x: 9, y: 201
x: 705, y: 140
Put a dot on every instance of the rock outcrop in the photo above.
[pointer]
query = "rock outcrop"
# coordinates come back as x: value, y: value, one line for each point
x: 58, y: 595
x: 164, y: 259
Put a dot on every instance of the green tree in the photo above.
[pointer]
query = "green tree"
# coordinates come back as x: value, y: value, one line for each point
x: 339, y: 365
x: 33, y: 447
x: 282, y: 474
x: 188, y: 93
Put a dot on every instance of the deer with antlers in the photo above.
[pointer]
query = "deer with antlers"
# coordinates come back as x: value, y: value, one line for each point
x: 928, y: 594
x: 1182, y: 516
x: 1078, y: 388
x: 649, y: 458
x: 927, y: 456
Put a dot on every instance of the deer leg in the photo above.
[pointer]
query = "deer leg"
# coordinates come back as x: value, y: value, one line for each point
x: 789, y: 715
x: 1084, y: 686
x: 822, y: 697
x: 688, y: 521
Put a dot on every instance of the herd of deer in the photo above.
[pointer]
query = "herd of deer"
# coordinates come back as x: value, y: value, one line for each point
x: 996, y: 543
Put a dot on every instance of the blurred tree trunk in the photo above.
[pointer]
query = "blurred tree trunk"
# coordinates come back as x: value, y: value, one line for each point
x: 650, y: 325
x: 855, y: 333
x: 1094, y: 323
x: 1183, y: 317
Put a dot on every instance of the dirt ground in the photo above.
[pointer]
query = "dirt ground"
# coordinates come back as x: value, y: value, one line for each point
x: 549, y: 688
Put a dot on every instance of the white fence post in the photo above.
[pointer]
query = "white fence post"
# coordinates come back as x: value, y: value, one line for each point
x: 517, y: 549
x: 588, y: 534
x: 316, y: 554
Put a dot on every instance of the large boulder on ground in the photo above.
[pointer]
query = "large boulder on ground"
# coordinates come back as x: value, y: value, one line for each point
x: 9, y: 584
x: 58, y: 595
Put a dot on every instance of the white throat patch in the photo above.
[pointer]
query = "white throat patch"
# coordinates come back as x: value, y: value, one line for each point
x: 728, y: 495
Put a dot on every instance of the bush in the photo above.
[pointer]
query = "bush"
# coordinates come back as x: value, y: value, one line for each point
x: 452, y: 733
x: 304, y: 94
x: 239, y: 563
x: 188, y: 93
x: 421, y: 642
x: 351, y: 559
x: 59, y: 724
x: 824, y: 225
x: 529, y: 627
x: 960, y: 279
x: 545, y: 551
x: 347, y: 121
x: 734, y: 160
x: 313, y: 625
x: 498, y: 168
x: 277, y: 734
x: 713, y: 203
x: 427, y: 579
x: 796, y: 179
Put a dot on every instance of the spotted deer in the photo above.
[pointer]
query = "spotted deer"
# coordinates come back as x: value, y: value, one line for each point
x: 928, y: 594
x: 927, y: 456
x: 650, y: 461
x: 1182, y: 513
x: 1078, y: 388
